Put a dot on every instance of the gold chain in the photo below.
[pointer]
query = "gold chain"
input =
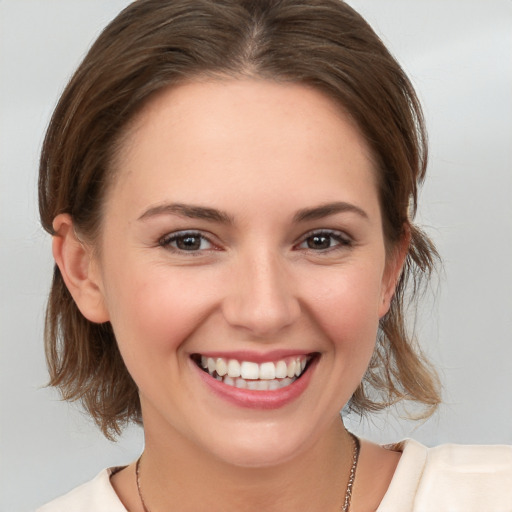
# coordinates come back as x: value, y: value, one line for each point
x: 348, y: 491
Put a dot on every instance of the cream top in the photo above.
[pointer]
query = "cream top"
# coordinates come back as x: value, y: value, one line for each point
x: 448, y: 478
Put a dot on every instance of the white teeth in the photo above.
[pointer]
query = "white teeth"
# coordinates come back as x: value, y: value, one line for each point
x: 298, y: 367
x: 291, y: 369
x: 257, y: 385
x: 221, y: 367
x: 267, y: 371
x: 239, y: 383
x: 250, y: 375
x: 281, y: 370
x: 233, y: 368
x: 249, y: 370
x: 273, y: 384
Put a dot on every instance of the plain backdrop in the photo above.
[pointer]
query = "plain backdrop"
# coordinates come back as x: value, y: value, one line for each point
x: 459, y: 56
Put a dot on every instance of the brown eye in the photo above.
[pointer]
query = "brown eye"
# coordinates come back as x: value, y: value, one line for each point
x: 186, y: 242
x: 319, y: 242
x: 325, y: 241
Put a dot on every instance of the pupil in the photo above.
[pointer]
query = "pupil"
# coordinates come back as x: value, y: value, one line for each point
x: 319, y: 242
x: 188, y: 243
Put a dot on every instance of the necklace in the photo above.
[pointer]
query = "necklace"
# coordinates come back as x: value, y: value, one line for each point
x: 348, y: 491
x: 352, y: 474
x: 137, y: 469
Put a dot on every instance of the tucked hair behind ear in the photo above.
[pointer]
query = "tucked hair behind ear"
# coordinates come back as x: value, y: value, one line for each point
x: 154, y: 44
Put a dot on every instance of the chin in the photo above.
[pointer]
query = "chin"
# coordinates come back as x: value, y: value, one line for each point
x: 265, y: 448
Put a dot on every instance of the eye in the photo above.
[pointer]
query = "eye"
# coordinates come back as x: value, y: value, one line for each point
x: 186, y: 241
x: 324, y: 240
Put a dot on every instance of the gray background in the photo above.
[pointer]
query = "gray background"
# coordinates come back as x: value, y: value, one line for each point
x: 459, y: 56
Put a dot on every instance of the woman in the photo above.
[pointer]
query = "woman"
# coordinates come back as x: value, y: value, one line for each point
x: 231, y: 189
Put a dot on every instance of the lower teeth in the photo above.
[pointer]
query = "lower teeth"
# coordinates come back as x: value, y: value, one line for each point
x: 259, y: 385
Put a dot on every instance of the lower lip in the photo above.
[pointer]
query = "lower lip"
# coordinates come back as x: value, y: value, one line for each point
x: 252, y: 399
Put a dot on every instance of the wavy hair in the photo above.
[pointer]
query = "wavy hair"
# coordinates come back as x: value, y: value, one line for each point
x: 153, y: 44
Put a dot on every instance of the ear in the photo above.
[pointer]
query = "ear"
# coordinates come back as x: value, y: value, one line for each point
x: 394, y: 265
x: 79, y: 270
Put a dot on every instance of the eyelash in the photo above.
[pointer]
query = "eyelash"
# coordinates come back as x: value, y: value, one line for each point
x: 171, y: 238
x: 342, y: 241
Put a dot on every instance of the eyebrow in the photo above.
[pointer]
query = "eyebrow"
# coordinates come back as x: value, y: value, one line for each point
x: 186, y: 210
x: 214, y: 215
x: 324, y: 210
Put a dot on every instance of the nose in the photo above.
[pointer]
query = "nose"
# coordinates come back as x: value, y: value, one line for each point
x: 261, y: 296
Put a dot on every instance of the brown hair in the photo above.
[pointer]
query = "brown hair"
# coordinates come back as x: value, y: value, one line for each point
x: 153, y: 44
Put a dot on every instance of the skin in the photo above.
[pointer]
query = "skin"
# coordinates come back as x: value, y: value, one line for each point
x: 260, y: 153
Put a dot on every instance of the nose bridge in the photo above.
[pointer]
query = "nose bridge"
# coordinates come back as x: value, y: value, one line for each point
x: 261, y: 297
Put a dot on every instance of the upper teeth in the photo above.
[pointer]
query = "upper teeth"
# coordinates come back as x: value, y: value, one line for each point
x: 284, y: 368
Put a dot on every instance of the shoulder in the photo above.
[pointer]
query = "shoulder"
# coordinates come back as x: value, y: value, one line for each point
x: 452, y: 477
x: 471, y: 477
x: 97, y: 495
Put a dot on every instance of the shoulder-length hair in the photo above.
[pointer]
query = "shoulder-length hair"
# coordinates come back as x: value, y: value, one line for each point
x: 154, y: 44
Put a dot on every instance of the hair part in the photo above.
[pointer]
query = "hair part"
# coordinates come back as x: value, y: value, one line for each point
x: 155, y: 44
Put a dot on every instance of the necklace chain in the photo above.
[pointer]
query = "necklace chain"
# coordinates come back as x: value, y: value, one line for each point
x: 352, y: 474
x: 348, y: 491
x: 137, y: 471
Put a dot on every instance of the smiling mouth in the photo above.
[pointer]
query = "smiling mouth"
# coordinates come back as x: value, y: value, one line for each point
x: 250, y: 375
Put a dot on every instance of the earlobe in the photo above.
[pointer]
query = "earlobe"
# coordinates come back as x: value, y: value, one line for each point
x: 394, y: 266
x: 74, y: 259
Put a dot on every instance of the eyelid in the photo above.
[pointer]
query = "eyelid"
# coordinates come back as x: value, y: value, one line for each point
x: 166, y: 241
x: 345, y: 240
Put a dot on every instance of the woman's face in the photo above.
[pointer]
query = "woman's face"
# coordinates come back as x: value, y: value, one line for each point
x: 243, y: 233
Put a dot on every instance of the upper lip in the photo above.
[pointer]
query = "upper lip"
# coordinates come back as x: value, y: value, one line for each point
x: 257, y: 357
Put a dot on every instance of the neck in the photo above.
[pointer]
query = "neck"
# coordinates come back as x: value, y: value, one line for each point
x: 179, y: 472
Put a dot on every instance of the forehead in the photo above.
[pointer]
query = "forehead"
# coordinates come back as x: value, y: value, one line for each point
x: 206, y: 137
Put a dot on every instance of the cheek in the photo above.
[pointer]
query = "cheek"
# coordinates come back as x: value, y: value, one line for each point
x: 346, y: 305
x: 154, y: 312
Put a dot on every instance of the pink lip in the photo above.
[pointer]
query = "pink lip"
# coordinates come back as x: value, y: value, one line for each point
x: 258, y: 399
x: 257, y: 357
